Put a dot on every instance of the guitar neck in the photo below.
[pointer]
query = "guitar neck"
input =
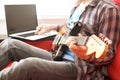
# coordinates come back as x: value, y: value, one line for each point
x: 80, y: 40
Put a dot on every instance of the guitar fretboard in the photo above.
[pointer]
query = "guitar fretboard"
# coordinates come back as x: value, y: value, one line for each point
x: 62, y: 40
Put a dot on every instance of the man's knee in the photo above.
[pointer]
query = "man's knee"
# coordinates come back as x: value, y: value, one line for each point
x: 9, y: 42
x: 27, y: 64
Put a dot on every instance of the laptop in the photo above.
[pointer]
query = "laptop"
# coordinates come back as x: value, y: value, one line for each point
x: 21, y: 22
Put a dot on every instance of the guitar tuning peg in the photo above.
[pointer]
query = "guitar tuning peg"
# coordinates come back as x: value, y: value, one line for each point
x: 108, y: 41
x: 105, y: 39
x: 101, y: 36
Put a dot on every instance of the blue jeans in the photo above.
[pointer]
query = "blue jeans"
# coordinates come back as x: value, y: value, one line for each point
x: 32, y: 63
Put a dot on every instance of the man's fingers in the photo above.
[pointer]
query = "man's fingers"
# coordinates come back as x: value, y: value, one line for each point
x: 41, y: 31
x: 72, y: 43
x: 38, y: 29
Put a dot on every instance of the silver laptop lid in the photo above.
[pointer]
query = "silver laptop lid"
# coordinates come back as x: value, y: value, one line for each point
x: 20, y: 18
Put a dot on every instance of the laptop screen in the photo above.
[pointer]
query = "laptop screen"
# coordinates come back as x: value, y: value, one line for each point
x: 20, y: 18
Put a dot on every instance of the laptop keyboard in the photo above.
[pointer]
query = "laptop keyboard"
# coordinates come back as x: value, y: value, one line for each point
x: 27, y: 34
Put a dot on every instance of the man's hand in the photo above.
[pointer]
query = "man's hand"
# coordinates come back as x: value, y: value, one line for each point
x: 80, y: 51
x: 43, y: 28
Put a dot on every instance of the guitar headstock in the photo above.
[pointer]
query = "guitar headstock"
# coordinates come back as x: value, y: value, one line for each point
x: 98, y: 45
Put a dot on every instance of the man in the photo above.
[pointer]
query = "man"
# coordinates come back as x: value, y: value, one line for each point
x: 96, y: 16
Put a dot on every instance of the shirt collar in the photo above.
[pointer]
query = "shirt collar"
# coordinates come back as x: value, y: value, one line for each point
x: 93, y: 3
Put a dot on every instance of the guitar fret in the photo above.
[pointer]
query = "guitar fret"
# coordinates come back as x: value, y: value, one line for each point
x: 63, y: 40
x: 82, y: 40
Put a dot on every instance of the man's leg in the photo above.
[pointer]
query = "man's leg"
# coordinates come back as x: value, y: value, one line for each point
x: 39, y: 69
x: 11, y: 49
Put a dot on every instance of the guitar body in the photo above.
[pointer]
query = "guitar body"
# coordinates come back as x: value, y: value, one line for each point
x: 59, y: 53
